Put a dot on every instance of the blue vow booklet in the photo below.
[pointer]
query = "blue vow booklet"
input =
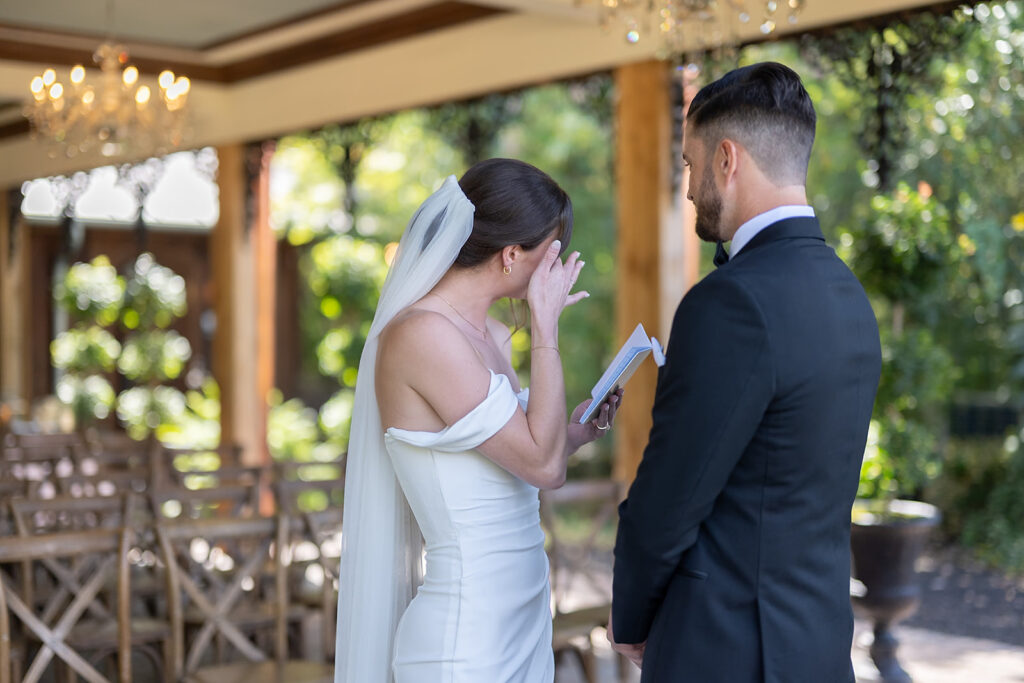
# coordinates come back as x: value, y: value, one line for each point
x: 622, y: 367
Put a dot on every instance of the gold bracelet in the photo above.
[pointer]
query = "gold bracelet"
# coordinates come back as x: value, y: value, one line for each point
x: 555, y: 348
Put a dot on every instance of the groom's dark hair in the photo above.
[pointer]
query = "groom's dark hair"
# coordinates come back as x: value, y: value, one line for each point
x: 765, y: 108
x: 514, y: 204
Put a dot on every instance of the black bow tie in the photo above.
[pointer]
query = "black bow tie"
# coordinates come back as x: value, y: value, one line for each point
x: 721, y: 255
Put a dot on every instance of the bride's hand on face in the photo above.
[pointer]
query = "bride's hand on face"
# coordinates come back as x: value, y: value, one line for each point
x: 548, y: 291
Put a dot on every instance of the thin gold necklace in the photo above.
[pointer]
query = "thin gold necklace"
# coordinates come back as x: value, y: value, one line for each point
x: 482, y: 332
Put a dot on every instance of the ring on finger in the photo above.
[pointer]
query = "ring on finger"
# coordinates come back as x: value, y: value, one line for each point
x: 606, y: 427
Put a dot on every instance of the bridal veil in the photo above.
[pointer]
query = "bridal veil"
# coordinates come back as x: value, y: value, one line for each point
x: 381, y: 545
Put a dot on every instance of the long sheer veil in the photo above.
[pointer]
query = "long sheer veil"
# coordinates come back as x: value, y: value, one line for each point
x: 381, y: 544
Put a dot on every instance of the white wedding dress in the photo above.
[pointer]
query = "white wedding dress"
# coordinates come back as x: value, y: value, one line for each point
x: 482, y: 614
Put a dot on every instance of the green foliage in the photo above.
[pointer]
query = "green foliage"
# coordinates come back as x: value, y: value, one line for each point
x: 90, y: 397
x: 906, y: 251
x: 144, y: 409
x: 980, y: 495
x: 295, y: 432
x: 197, y: 426
x: 154, y: 355
x: 907, y: 258
x: 292, y: 431
x: 155, y: 295
x: 85, y: 349
x: 92, y: 291
x: 346, y: 273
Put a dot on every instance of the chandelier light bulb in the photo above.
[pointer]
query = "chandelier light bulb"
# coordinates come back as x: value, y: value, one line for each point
x: 130, y: 75
x: 113, y: 114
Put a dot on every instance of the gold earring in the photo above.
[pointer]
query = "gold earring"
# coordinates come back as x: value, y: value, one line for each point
x: 507, y: 270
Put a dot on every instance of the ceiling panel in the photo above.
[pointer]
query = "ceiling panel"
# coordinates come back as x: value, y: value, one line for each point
x: 183, y: 23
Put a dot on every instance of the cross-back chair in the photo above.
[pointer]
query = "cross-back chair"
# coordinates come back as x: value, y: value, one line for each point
x: 315, y: 550
x: 227, y: 500
x: 228, y: 577
x: 61, y: 632
x: 49, y: 583
x: 35, y: 457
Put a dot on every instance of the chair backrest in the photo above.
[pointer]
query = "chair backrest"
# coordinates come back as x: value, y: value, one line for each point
x: 235, y: 500
x: 103, y: 483
x: 168, y: 462
x: 36, y: 456
x: 71, y: 513
x: 297, y: 497
x: 314, y: 554
x: 580, y: 520
x: 215, y: 566
x: 88, y: 560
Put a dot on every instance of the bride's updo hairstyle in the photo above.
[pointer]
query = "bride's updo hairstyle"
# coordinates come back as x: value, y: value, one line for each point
x: 516, y: 204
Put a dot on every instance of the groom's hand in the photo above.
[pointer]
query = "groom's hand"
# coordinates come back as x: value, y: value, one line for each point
x: 632, y: 652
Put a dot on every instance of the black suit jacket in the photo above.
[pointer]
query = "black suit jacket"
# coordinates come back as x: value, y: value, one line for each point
x: 733, y: 552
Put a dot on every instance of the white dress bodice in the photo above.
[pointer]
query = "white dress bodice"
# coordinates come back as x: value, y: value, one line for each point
x: 483, y: 611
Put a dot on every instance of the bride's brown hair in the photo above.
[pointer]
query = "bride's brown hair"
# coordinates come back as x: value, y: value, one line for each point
x: 516, y: 204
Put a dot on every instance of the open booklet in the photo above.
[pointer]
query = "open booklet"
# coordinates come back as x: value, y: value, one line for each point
x: 622, y: 367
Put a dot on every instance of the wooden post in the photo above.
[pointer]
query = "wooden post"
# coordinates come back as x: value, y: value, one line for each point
x: 14, y: 331
x: 243, y: 280
x: 657, y: 246
x: 265, y: 244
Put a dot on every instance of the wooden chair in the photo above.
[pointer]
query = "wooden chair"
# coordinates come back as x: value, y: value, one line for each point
x: 217, y: 578
x: 34, y: 516
x: 114, y: 450
x: 34, y: 457
x: 296, y: 496
x: 168, y: 463
x: 315, y: 551
x: 234, y: 500
x: 49, y: 583
x: 61, y: 632
x: 579, y: 564
x: 103, y: 483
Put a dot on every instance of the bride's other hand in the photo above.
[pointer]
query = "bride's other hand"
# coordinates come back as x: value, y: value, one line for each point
x: 548, y: 292
x: 580, y: 434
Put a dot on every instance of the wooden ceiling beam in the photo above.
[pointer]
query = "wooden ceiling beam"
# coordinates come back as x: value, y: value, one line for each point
x: 415, y: 22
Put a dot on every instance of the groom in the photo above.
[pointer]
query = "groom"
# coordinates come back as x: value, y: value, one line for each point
x: 732, y: 561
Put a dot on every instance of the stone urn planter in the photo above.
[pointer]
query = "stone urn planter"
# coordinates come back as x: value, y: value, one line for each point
x: 886, y: 539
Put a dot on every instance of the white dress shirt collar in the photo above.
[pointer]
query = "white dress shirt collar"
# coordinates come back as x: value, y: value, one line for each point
x: 749, y: 230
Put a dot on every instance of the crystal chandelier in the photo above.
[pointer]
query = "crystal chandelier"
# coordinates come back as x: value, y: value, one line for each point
x: 116, y: 114
x: 710, y: 23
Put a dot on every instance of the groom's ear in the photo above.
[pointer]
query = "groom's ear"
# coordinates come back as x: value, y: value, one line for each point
x: 727, y: 156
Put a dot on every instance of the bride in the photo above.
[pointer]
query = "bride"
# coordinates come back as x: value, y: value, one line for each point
x: 447, y: 449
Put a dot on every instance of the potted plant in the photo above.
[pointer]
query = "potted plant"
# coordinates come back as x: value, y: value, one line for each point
x: 906, y: 257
